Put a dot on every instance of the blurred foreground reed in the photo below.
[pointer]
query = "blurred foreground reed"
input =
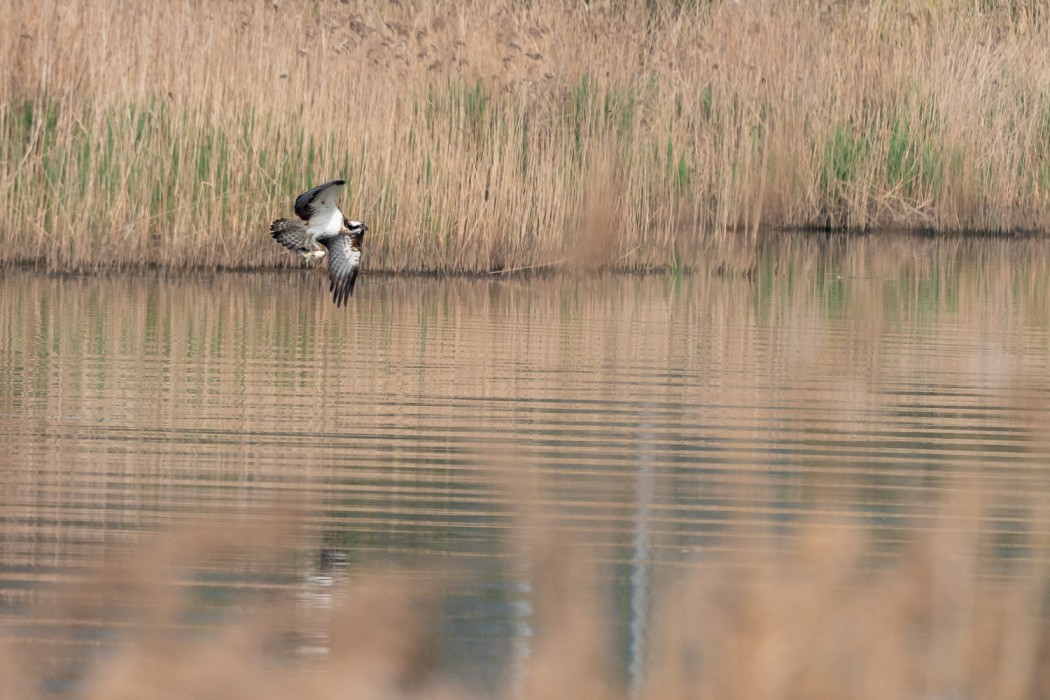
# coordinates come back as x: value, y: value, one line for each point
x: 817, y: 617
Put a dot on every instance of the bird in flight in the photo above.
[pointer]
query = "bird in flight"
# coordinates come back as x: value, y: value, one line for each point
x: 323, y: 231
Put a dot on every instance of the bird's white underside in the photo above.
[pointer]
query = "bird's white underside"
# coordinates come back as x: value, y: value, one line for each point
x: 327, y: 219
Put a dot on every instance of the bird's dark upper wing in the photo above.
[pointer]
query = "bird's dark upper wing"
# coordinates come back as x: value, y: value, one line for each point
x: 344, y: 261
x: 310, y: 202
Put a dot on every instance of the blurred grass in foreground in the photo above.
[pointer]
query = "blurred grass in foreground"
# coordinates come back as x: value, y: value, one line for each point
x: 819, y: 615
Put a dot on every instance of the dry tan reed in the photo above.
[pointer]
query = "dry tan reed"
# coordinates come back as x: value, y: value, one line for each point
x: 482, y: 137
x: 821, y: 619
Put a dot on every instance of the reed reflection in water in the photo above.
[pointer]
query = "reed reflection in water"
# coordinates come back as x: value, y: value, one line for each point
x: 667, y: 423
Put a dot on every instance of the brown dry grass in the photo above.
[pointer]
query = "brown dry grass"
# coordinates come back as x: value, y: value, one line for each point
x: 818, y: 619
x: 481, y: 137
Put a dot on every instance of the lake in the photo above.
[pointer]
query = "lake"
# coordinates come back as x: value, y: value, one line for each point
x: 659, y: 423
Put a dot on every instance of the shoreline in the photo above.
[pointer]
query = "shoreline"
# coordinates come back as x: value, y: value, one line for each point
x: 719, y: 259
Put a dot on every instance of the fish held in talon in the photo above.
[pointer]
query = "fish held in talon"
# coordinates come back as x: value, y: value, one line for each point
x: 322, y: 231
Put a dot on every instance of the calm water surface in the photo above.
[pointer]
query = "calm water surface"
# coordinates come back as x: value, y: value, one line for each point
x: 663, y: 418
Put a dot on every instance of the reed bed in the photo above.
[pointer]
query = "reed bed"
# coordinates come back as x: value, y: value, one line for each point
x: 482, y: 137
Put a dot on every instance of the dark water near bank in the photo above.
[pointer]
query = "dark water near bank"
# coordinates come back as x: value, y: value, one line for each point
x: 665, y: 421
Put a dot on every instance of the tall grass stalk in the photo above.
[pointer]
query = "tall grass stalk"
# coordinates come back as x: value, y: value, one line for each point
x: 480, y: 138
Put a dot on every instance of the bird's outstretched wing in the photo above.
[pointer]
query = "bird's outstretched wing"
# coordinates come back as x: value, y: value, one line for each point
x: 344, y: 261
x: 318, y: 202
x: 292, y: 235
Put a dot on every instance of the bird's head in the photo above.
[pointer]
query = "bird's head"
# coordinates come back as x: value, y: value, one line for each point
x: 354, y: 228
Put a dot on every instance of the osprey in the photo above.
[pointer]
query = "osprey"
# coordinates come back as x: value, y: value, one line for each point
x: 323, y: 230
